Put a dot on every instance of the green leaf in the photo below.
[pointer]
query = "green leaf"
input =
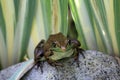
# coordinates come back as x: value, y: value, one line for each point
x: 25, y: 67
x: 27, y: 26
x: 8, y: 24
x: 24, y: 23
x: 23, y: 28
x: 84, y: 24
x: 77, y: 23
x: 97, y: 24
x: 3, y: 52
x: 51, y: 18
x: 63, y: 4
x: 117, y: 23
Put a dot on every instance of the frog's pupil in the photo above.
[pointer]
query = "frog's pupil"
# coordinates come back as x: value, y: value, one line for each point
x: 69, y: 42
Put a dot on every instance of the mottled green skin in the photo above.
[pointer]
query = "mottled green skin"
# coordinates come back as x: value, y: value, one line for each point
x: 59, y: 54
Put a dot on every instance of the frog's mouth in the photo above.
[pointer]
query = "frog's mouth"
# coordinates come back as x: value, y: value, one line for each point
x: 58, y: 49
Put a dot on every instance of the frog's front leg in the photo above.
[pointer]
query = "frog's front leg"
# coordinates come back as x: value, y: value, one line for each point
x: 49, y: 60
x: 38, y: 54
x: 39, y: 51
x: 79, y: 51
x: 76, y: 44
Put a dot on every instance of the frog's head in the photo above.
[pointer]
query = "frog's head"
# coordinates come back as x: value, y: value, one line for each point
x: 60, y: 41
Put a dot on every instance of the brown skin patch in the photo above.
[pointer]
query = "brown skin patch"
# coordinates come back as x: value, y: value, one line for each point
x: 58, y: 38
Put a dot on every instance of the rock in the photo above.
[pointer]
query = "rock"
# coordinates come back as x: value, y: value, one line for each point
x: 95, y: 66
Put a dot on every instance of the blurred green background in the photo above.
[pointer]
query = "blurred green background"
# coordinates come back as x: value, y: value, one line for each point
x: 23, y: 23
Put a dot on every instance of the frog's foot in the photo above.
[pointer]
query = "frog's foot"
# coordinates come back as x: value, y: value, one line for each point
x: 76, y: 57
x: 57, y: 64
x: 80, y: 51
x: 54, y: 63
x: 39, y: 64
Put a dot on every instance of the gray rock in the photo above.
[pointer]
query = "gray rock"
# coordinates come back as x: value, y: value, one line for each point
x: 95, y: 66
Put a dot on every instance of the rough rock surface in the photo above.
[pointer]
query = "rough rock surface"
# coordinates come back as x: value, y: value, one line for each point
x: 95, y: 66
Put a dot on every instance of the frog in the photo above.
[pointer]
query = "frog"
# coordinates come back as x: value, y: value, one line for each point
x: 57, y: 47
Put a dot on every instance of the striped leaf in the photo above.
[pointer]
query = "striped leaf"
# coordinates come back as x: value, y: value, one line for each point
x: 7, y: 27
x: 23, y: 23
x: 98, y: 24
x: 51, y: 18
x: 84, y: 24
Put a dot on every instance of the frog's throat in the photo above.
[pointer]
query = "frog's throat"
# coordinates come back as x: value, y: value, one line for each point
x: 61, y: 55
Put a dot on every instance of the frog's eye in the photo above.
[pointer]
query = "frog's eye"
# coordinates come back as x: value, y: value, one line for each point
x: 68, y: 42
x: 54, y: 44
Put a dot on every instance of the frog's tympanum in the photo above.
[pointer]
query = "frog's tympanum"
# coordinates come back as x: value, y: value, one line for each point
x: 55, y: 48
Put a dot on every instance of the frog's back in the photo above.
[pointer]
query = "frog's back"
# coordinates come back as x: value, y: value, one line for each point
x: 56, y: 37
